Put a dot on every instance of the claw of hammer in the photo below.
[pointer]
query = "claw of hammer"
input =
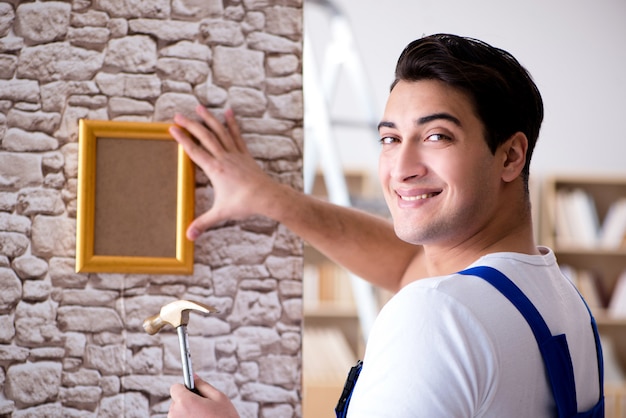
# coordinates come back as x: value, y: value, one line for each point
x: 176, y: 314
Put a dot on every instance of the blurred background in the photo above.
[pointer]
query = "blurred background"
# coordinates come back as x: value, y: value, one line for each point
x: 574, y: 49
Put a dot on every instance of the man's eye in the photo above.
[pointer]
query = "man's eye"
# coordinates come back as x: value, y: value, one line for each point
x: 437, y: 137
x: 387, y: 140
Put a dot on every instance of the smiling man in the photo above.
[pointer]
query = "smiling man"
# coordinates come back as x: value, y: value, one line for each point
x: 483, y: 323
x: 445, y: 188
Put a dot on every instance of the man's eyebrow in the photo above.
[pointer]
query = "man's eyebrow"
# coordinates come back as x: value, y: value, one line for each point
x: 436, y: 116
x: 424, y: 119
x: 384, y: 124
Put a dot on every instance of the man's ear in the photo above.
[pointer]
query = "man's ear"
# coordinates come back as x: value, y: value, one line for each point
x: 514, y: 156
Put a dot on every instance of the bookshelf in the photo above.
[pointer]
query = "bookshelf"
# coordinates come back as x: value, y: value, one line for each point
x: 583, y: 219
x: 333, y: 340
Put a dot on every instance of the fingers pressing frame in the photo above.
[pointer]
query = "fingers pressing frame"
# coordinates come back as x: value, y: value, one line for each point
x: 196, y: 152
x: 203, y: 134
x: 214, y: 136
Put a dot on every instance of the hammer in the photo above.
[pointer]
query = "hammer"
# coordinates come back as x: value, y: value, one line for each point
x: 176, y: 314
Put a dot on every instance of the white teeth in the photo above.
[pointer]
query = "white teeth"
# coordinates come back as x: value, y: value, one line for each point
x: 419, y: 197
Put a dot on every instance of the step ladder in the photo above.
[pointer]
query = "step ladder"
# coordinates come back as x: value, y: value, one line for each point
x: 320, y: 149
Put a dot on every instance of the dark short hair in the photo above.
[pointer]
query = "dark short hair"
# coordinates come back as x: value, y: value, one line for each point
x: 505, y: 97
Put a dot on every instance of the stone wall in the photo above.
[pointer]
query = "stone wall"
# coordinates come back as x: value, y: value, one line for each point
x: 72, y: 345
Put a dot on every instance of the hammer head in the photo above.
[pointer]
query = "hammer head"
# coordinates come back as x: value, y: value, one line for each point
x: 175, y: 314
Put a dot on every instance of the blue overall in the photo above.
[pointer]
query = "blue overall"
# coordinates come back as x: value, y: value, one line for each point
x: 554, y: 351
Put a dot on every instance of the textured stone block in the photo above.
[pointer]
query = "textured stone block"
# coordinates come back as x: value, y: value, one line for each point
x: 132, y: 54
x: 166, y: 30
x: 43, y: 22
x: 7, y: 329
x: 89, y: 319
x: 39, y: 201
x: 198, y: 8
x: 13, y: 244
x: 63, y: 275
x: 36, y: 291
x: 53, y: 236
x: 256, y: 308
x: 278, y: 370
x: 7, y: 16
x: 129, y: 404
x: 282, y: 65
x: 135, y: 8
x: 58, y: 61
x: 222, y: 32
x: 247, y: 101
x: 46, y: 122
x: 75, y: 343
x: 189, y: 50
x: 19, y: 170
x: 119, y: 106
x: 19, y: 90
x: 286, y: 21
x: 35, y: 323
x: 8, y: 65
x: 89, y: 18
x: 55, y: 94
x: 287, y: 106
x: 108, y: 360
x: 137, y: 86
x: 260, y: 392
x: 285, y: 268
x: 188, y: 70
x: 33, y: 383
x: 81, y: 397
x: 89, y: 37
x: 232, y: 246
x: 82, y: 377
x: 269, y: 147
x: 148, y: 384
x: 14, y: 222
x: 274, y: 44
x: 11, y: 353
x: 168, y: 104
x: 20, y: 141
x: 250, y: 65
x: 148, y: 360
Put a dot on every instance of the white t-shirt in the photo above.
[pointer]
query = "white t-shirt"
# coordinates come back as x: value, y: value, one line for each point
x: 454, y: 346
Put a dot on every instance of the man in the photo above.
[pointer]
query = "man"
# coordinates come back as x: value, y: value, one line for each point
x: 457, y: 136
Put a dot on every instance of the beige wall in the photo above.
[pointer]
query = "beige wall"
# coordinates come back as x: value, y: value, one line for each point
x: 72, y: 344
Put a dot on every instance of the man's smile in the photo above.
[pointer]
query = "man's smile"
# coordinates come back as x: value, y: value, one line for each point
x: 418, y: 197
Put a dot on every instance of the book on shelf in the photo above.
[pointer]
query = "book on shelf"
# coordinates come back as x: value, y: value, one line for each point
x: 617, y: 304
x: 327, y: 282
x: 576, y: 219
x: 613, y: 231
x: 590, y: 289
x: 587, y: 284
x: 310, y: 285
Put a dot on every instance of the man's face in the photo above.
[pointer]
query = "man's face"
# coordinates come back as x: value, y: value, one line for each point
x: 439, y: 178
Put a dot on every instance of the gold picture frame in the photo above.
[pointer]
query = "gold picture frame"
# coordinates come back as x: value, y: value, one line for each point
x: 135, y: 199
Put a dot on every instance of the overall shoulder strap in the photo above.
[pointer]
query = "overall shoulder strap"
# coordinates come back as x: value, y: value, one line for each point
x: 553, y: 349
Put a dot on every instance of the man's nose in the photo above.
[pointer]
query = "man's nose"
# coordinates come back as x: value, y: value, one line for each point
x: 408, y: 163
